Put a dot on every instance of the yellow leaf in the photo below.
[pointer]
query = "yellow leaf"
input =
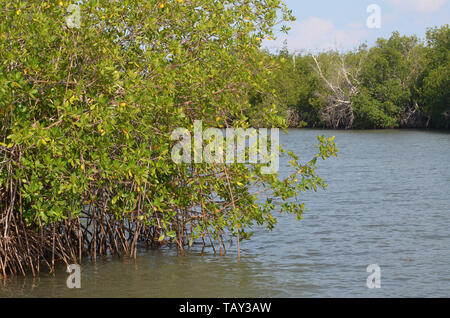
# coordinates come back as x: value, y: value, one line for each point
x: 129, y: 172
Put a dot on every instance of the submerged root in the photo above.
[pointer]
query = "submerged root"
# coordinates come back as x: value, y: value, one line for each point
x: 96, y: 231
x: 24, y: 249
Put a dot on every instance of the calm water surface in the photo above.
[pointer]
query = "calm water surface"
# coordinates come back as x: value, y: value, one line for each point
x: 388, y: 203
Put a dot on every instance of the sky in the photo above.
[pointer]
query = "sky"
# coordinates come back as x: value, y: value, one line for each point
x: 342, y: 24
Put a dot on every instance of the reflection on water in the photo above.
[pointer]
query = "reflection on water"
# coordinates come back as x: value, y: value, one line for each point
x: 387, y: 204
x: 155, y: 274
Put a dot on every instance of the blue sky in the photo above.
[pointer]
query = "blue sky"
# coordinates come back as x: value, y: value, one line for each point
x: 341, y: 24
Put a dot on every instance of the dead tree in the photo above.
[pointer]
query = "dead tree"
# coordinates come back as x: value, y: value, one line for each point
x: 342, y: 83
x: 293, y: 118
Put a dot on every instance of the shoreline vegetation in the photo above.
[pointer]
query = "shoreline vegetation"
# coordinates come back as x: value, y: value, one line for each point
x: 400, y: 82
x: 86, y: 115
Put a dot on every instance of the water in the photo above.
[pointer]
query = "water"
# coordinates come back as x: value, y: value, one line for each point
x: 388, y: 203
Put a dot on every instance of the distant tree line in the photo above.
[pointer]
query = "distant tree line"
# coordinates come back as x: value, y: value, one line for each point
x: 400, y: 82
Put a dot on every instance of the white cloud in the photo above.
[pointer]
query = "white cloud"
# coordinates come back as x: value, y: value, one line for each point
x: 423, y: 6
x: 319, y: 34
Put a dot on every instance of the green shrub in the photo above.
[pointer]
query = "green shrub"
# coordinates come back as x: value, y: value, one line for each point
x: 87, y: 114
